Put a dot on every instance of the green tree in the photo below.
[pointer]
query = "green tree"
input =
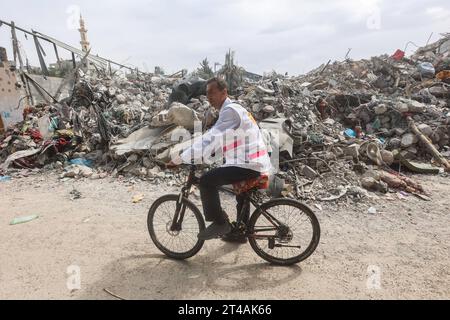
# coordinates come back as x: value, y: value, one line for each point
x: 205, y: 71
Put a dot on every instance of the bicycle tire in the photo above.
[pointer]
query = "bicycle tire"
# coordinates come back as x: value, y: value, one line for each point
x: 298, y: 258
x: 150, y: 224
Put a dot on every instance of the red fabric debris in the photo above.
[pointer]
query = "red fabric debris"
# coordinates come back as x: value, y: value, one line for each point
x: 35, y: 134
x: 398, y: 55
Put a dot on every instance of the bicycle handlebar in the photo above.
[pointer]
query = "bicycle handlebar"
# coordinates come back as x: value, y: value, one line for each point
x: 188, y: 165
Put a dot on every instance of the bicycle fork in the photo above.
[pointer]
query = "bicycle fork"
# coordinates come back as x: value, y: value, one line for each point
x: 179, y: 211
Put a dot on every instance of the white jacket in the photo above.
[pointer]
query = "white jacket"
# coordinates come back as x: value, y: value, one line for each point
x: 235, y: 137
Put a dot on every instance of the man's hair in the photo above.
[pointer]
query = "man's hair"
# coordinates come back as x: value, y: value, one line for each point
x: 221, y: 83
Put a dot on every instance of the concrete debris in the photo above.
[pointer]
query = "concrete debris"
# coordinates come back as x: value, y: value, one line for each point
x: 408, y: 140
x: 178, y: 114
x: 308, y: 172
x: 277, y: 135
x: 268, y: 109
x: 387, y: 157
x: 380, y: 109
x: 425, y: 129
x: 372, y: 184
x: 330, y: 126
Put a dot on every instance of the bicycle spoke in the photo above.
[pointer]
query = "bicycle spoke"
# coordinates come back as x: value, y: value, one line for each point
x: 181, y: 241
x: 298, y: 236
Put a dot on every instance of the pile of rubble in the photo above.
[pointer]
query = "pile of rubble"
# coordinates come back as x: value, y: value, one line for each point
x: 99, y: 112
x: 370, y: 112
x: 344, y: 127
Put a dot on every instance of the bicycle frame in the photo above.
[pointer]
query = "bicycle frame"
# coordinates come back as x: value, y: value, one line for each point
x: 185, y: 191
x: 193, y: 180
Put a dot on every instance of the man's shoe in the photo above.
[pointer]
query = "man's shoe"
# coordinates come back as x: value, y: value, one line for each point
x: 215, y: 230
x: 235, y: 237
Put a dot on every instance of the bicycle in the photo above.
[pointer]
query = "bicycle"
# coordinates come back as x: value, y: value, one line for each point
x: 268, y: 233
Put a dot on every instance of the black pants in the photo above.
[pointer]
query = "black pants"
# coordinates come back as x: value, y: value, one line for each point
x: 209, y: 192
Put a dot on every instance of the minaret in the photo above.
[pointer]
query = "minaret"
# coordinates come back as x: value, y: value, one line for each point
x: 83, y: 32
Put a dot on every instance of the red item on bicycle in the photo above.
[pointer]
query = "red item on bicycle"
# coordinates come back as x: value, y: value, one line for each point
x: 261, y: 182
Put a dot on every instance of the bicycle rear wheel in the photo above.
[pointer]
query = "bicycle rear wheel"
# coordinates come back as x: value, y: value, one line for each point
x: 181, y: 244
x: 291, y: 242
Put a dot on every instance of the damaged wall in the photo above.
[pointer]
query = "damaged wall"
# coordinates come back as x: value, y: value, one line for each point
x: 10, y: 94
x: 51, y: 85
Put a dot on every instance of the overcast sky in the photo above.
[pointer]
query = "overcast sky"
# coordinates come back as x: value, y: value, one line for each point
x: 285, y: 35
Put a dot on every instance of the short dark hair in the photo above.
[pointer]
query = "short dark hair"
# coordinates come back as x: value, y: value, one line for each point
x: 221, y: 83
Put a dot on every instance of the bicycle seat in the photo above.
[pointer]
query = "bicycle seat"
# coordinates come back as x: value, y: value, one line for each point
x: 261, y: 182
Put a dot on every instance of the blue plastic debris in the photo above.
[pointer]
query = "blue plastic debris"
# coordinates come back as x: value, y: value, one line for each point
x: 82, y: 162
x: 350, y: 133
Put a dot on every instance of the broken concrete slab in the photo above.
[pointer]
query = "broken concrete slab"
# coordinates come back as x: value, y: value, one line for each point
x: 416, y: 107
x: 380, y: 109
x: 140, y: 140
x: 401, y: 107
x: 388, y: 157
x: 279, y: 138
x: 308, y: 172
x: 352, y: 150
x: 269, y: 109
x: 409, y: 139
x: 425, y: 129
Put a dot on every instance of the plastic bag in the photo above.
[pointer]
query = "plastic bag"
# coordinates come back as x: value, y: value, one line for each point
x: 426, y: 69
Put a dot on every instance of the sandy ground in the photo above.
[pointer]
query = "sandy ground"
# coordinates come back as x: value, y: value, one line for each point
x: 402, y: 252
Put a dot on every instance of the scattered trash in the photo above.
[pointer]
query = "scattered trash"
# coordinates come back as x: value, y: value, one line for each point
x: 138, y: 198
x: 5, y: 178
x: 330, y: 126
x: 372, y: 210
x: 113, y: 294
x: 25, y: 219
x: 402, y: 195
x: 82, y: 162
x: 443, y: 75
x: 350, y: 133
x: 422, y: 196
x: 75, y: 194
x: 426, y: 69
x: 342, y: 191
x: 417, y: 167
x: 398, y: 55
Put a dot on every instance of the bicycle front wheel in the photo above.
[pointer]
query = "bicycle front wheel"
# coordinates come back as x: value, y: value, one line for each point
x: 292, y: 239
x: 182, y: 243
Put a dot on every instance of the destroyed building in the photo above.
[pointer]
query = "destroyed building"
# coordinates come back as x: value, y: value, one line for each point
x: 345, y: 127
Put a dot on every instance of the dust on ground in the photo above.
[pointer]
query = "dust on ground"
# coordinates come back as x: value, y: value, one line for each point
x: 401, y: 252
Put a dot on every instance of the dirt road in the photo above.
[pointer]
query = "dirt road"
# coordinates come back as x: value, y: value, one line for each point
x: 400, y: 252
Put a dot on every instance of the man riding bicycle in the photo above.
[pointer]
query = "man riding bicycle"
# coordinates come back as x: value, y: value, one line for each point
x: 245, y: 154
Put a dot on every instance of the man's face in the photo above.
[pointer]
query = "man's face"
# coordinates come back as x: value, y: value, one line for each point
x: 216, y: 97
